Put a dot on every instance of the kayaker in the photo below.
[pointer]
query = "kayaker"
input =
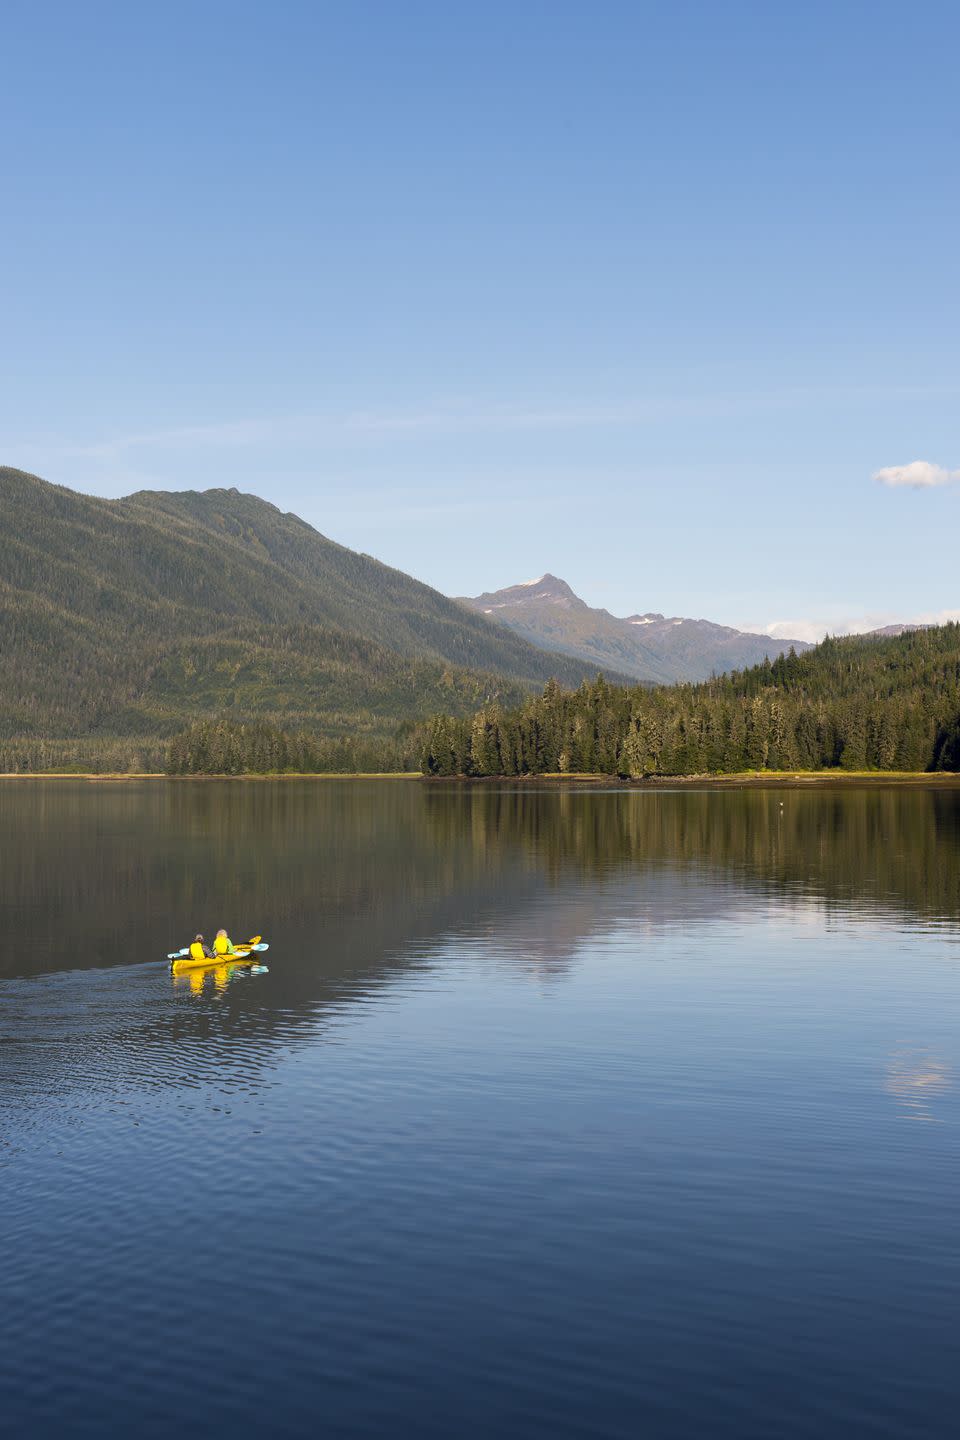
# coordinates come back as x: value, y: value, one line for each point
x: 223, y: 945
x: 199, y: 951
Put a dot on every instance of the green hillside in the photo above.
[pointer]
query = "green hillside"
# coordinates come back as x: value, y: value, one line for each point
x: 132, y: 617
x: 860, y: 703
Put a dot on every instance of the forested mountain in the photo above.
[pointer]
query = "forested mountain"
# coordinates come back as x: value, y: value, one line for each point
x: 132, y: 617
x: 656, y: 648
x: 857, y: 703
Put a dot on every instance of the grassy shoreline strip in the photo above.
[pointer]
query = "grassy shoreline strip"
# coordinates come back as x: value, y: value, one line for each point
x: 249, y: 775
x: 550, y: 780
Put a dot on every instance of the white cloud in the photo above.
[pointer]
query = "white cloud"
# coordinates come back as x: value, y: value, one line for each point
x: 918, y: 475
x: 940, y: 617
x: 814, y: 630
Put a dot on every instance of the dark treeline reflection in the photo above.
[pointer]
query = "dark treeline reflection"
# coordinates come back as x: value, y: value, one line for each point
x: 895, y: 848
x: 95, y: 875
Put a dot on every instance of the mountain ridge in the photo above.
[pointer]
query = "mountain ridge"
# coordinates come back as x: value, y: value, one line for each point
x: 134, y: 616
x: 651, y: 647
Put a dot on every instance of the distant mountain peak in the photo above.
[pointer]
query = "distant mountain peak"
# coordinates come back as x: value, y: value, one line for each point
x: 548, y: 589
x: 649, y: 646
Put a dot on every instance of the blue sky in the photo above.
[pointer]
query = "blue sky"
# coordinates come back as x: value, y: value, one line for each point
x: 641, y: 294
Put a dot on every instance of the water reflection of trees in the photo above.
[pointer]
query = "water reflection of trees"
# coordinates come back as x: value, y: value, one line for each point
x: 893, y: 848
x: 102, y: 875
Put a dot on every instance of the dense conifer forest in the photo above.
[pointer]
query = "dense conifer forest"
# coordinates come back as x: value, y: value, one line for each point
x: 858, y: 703
x: 224, y: 747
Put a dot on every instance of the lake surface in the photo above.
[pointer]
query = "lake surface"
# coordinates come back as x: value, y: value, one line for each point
x: 552, y: 1114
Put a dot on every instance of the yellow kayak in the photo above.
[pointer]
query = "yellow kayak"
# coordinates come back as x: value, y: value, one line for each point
x: 242, y: 955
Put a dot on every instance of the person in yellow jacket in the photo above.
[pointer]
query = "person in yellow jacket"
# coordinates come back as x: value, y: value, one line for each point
x: 223, y: 945
x: 199, y: 951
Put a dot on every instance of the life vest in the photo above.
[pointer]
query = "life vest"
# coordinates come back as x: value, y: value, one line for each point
x: 222, y: 945
x: 196, y: 951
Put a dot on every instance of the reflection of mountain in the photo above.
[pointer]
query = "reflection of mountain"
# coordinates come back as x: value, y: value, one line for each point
x: 545, y: 937
x: 355, y: 884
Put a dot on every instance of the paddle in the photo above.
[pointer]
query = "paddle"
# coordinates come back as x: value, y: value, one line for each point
x: 243, y: 948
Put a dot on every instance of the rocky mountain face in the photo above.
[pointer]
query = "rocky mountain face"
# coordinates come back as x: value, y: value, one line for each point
x: 652, y: 647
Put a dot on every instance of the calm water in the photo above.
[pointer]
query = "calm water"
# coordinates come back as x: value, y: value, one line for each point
x: 554, y: 1114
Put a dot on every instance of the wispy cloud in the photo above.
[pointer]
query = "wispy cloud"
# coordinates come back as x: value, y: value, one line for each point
x: 312, y: 428
x: 918, y: 475
x: 455, y: 416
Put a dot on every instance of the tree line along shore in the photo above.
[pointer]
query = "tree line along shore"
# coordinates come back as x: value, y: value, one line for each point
x: 857, y: 706
x: 747, y: 780
x: 852, y: 705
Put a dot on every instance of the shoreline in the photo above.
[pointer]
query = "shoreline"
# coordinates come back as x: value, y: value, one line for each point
x: 744, y: 780
x: 118, y: 776
x: 741, y: 780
